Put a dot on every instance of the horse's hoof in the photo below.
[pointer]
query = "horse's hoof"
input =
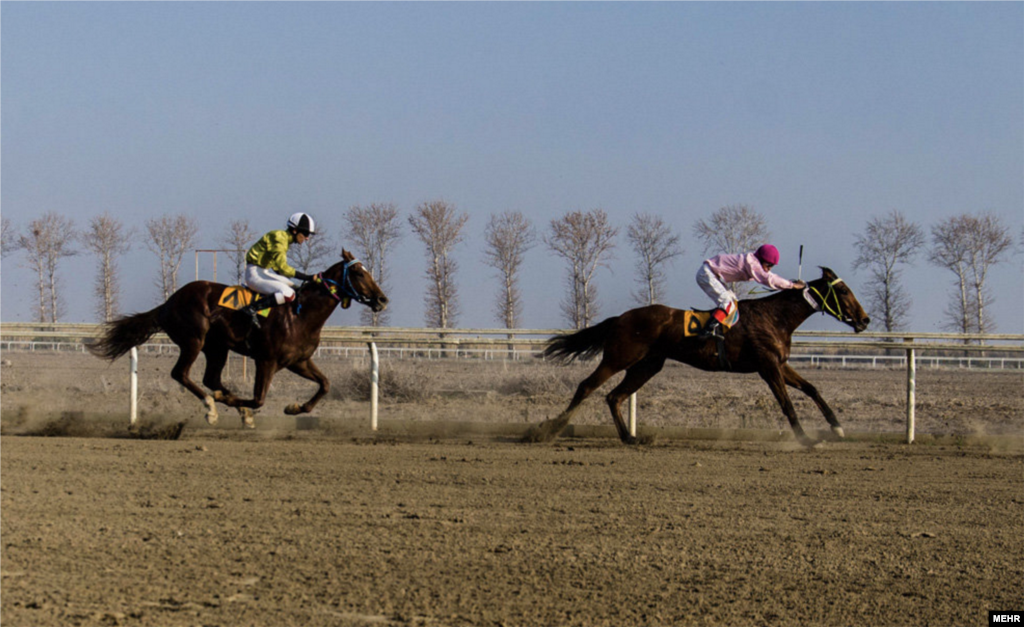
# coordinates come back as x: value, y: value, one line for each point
x: 211, y: 413
x: 293, y: 409
x: 838, y: 433
x: 247, y: 418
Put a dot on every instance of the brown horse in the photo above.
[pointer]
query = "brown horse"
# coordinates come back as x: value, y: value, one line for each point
x: 194, y: 320
x: 640, y: 340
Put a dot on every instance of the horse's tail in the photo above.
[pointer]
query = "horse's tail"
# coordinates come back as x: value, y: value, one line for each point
x: 125, y: 333
x: 583, y: 344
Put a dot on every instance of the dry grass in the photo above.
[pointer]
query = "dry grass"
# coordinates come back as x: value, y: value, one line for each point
x: 43, y: 388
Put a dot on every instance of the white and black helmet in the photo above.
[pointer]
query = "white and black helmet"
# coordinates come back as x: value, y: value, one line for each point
x: 302, y: 223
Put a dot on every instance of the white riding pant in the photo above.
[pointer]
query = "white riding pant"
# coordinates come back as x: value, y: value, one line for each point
x: 268, y: 282
x: 708, y: 281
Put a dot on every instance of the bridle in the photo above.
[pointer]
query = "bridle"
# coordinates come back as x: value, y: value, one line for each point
x: 826, y: 300
x: 348, y: 291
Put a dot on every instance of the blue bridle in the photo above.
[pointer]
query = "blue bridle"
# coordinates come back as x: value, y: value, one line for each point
x: 345, y: 287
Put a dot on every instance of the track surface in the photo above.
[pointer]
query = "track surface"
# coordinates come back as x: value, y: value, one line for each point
x: 313, y: 530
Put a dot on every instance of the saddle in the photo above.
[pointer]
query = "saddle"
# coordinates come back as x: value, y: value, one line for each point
x: 238, y: 296
x: 694, y: 322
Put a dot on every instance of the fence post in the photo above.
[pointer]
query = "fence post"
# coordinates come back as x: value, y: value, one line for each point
x: 632, y: 414
x: 374, y: 381
x: 133, y: 396
x: 911, y: 390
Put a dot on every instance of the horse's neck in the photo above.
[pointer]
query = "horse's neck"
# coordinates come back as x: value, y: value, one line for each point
x: 792, y: 310
x: 316, y: 307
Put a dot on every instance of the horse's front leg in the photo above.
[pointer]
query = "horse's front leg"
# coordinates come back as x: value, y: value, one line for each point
x: 308, y: 370
x: 265, y: 371
x: 793, y: 379
x: 775, y: 380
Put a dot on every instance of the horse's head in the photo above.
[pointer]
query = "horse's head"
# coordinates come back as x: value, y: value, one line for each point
x: 350, y: 280
x: 836, y: 298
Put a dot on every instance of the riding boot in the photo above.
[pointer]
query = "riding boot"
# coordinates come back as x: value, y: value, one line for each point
x: 256, y: 306
x: 713, y: 329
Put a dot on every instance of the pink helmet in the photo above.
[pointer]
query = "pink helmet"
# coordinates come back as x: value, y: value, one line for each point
x: 768, y: 254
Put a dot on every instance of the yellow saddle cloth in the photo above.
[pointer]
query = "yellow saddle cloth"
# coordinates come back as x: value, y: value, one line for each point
x: 695, y: 321
x: 238, y: 296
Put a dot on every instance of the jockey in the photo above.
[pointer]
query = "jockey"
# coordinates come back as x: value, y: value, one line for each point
x: 714, y: 273
x: 267, y: 270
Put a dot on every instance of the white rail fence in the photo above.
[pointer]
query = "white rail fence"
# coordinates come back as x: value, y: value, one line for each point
x: 818, y: 348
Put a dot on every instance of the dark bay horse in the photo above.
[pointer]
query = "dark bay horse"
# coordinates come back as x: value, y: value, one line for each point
x: 640, y: 340
x: 194, y: 320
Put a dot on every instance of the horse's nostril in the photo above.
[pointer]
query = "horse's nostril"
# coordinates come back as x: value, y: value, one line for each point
x: 383, y: 299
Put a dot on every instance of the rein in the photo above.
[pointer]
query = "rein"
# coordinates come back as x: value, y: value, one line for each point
x: 825, y: 306
x: 348, y: 291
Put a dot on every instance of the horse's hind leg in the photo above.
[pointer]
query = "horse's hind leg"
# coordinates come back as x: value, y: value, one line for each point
x: 308, y: 370
x: 636, y: 376
x: 551, y: 428
x: 793, y: 379
x: 190, y: 350
x: 216, y: 359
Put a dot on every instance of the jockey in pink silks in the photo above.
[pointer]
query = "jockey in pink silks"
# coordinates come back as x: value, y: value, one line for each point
x: 714, y: 273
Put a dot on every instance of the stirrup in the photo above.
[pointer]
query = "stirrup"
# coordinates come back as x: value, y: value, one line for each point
x: 254, y: 314
x: 712, y: 330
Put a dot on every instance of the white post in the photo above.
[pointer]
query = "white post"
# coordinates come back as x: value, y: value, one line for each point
x: 911, y: 393
x: 374, y: 381
x: 632, y: 414
x: 133, y: 411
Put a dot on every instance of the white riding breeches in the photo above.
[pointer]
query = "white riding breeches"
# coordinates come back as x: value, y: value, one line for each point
x: 724, y: 298
x: 268, y: 282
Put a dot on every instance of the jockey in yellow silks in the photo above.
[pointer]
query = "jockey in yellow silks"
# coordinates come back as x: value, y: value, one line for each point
x: 267, y: 270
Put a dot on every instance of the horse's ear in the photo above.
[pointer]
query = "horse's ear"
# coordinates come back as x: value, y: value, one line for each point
x: 347, y: 256
x: 826, y: 273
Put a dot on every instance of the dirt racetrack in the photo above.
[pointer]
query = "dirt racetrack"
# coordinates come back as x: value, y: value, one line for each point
x: 309, y: 531
x: 340, y: 526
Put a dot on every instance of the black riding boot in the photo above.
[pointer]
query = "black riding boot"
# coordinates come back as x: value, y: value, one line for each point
x: 713, y: 329
x: 256, y: 306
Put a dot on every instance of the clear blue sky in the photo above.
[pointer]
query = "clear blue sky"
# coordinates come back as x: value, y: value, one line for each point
x: 818, y: 115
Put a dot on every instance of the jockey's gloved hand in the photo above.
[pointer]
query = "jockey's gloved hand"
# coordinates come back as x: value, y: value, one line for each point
x: 302, y: 276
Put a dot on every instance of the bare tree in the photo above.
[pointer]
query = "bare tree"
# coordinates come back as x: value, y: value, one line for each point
x: 107, y: 238
x: 585, y: 240
x: 969, y: 245
x: 654, y: 244
x: 239, y: 238
x: 169, y: 237
x: 7, y: 243
x: 48, y: 240
x: 885, y: 245
x: 949, y: 251
x: 734, y: 229
x: 315, y: 254
x: 508, y: 235
x: 375, y: 229
x: 439, y: 226
x: 991, y: 243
